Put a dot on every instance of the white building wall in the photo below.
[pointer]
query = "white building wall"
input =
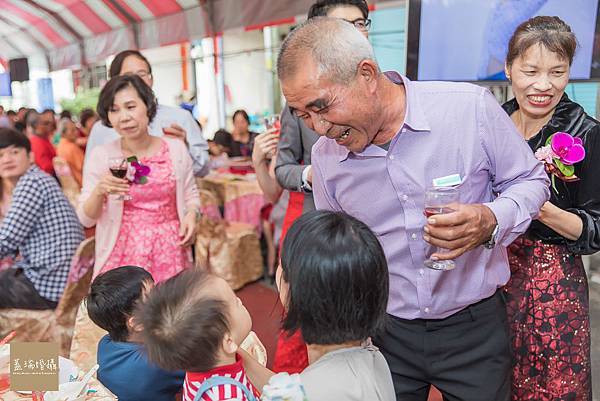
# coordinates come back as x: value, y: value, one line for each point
x: 246, y: 84
x: 167, y: 73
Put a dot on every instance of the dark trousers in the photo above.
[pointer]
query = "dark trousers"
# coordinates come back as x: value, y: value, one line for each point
x: 466, y: 355
x: 16, y: 291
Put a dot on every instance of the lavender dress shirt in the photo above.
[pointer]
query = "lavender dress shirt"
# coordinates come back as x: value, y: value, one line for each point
x: 449, y: 128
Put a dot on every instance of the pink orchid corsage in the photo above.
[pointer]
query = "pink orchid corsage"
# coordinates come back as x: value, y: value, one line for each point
x: 559, y: 155
x: 137, y: 172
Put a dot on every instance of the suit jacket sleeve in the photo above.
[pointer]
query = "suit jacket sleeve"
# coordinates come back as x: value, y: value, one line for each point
x: 288, y: 168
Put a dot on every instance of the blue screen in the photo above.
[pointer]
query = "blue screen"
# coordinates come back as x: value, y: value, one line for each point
x: 467, y: 40
x: 5, y: 84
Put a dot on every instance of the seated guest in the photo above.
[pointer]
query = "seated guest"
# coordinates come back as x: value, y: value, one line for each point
x: 218, y: 149
x: 124, y: 366
x: 12, y: 116
x: 221, y: 143
x: 87, y: 119
x: 68, y: 149
x: 149, y: 219
x: 40, y: 226
x: 243, y: 139
x: 195, y: 322
x: 333, y: 282
x: 39, y: 128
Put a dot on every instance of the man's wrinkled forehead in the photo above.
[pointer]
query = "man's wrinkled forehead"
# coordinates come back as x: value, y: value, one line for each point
x: 304, y: 87
x: 303, y: 95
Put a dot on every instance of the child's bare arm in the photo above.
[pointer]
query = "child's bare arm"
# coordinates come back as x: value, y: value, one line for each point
x: 258, y: 374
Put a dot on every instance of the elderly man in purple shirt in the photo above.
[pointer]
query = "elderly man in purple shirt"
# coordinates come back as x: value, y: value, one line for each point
x: 385, y: 139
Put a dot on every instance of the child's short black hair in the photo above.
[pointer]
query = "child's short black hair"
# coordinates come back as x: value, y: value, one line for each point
x: 12, y: 137
x: 338, y: 279
x: 223, y: 137
x: 113, y: 298
x: 184, y: 323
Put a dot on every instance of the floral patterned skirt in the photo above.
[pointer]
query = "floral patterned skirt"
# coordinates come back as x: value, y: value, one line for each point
x: 548, y: 312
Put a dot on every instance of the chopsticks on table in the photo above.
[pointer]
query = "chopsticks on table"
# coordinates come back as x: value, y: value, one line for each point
x: 8, y: 338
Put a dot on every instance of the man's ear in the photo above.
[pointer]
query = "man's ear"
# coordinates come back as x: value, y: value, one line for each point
x: 31, y: 157
x: 368, y: 70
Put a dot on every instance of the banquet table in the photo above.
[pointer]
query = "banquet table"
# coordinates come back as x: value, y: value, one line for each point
x: 239, y: 196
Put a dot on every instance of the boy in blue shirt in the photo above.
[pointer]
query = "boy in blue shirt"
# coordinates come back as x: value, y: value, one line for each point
x: 124, y: 367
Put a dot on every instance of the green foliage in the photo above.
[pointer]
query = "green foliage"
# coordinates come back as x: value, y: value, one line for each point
x: 567, y: 170
x: 84, y: 99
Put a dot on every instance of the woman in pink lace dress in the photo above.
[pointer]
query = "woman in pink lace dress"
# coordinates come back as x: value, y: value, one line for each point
x: 155, y: 227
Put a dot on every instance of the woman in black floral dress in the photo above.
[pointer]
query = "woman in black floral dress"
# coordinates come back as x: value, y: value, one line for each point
x: 547, y: 296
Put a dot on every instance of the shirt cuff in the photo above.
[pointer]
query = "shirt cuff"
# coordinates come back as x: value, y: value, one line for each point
x: 503, y: 209
x: 305, y: 184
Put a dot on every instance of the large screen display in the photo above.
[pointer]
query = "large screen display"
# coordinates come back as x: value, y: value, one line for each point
x: 466, y: 40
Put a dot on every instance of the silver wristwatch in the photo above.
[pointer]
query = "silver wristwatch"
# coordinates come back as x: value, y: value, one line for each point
x: 491, y: 242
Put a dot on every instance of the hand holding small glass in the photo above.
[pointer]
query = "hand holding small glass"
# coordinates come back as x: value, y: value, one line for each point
x: 467, y: 227
x: 440, y: 200
x: 116, y: 183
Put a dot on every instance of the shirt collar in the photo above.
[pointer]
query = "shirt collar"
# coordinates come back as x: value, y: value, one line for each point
x: 231, y: 369
x: 414, y: 118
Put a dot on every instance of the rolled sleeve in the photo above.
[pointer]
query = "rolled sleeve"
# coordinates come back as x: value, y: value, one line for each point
x: 518, y: 178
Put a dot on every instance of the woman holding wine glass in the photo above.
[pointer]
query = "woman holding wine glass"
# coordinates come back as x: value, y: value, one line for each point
x: 547, y: 295
x: 139, y: 190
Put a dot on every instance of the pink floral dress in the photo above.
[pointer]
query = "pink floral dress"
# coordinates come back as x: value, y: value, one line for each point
x: 149, y: 233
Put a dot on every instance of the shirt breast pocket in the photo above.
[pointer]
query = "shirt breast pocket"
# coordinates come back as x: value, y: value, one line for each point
x: 448, y: 175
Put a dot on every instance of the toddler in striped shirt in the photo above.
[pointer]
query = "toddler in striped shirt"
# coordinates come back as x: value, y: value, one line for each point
x: 195, y: 322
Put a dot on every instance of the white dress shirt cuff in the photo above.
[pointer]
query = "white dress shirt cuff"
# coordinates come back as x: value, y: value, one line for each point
x: 306, y: 187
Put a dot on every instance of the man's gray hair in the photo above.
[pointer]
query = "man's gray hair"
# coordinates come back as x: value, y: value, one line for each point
x: 335, y: 45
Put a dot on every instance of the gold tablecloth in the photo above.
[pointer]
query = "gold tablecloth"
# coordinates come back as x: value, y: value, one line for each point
x: 229, y: 250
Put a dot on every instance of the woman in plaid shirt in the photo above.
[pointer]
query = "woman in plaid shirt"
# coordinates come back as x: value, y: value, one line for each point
x: 40, y: 226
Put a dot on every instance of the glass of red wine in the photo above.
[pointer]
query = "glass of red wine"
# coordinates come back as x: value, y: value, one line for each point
x: 438, y: 200
x: 118, y: 168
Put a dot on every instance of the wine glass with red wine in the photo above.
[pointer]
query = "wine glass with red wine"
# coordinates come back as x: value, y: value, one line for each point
x: 439, y: 200
x: 118, y: 168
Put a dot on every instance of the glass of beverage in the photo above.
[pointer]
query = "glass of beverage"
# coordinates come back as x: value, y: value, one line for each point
x: 272, y: 122
x: 118, y: 167
x: 438, y: 200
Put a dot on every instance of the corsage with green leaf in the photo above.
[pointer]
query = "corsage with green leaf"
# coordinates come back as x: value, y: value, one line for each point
x: 137, y: 172
x: 559, y: 155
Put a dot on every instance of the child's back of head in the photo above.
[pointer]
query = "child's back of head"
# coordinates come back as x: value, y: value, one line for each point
x: 114, y: 296
x: 193, y: 322
x: 334, y: 279
x: 124, y: 368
